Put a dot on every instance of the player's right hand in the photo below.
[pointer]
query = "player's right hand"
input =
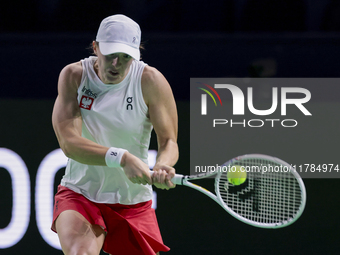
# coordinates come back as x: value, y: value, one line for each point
x: 135, y: 169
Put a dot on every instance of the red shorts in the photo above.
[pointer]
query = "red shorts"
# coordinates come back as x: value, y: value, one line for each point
x: 131, y: 229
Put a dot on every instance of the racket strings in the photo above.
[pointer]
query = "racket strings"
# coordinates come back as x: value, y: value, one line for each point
x: 265, y: 197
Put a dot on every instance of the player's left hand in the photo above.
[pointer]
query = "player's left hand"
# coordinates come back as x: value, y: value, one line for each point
x: 162, y: 176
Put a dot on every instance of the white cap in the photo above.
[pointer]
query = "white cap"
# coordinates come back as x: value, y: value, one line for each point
x: 118, y: 33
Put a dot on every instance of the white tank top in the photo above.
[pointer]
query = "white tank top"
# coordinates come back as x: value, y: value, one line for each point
x: 113, y: 116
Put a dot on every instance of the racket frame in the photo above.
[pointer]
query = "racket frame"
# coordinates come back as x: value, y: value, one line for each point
x: 254, y: 223
x: 180, y: 179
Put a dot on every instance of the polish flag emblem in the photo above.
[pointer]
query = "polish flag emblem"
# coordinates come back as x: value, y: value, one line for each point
x: 86, y: 102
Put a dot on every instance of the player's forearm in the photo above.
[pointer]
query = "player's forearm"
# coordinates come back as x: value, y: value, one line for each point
x: 167, y: 153
x: 84, y: 151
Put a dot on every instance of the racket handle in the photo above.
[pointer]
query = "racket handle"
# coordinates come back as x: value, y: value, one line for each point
x: 176, y: 180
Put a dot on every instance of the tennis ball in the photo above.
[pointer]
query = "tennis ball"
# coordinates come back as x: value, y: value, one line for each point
x: 237, y: 175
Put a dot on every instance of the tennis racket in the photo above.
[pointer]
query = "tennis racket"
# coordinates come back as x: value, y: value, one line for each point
x: 273, y: 195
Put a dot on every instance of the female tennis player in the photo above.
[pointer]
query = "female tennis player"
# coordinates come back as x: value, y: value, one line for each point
x: 106, y: 108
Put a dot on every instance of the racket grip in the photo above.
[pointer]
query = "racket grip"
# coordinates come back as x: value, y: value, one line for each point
x: 176, y: 180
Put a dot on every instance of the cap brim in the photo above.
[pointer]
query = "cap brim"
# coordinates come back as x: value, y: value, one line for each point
x: 107, y: 48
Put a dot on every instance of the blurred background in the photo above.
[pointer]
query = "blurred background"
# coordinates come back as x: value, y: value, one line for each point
x: 183, y: 39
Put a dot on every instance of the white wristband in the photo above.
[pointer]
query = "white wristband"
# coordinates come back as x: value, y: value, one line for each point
x: 113, y: 156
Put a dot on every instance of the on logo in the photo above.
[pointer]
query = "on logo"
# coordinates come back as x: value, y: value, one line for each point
x: 238, y: 100
x: 129, y: 105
